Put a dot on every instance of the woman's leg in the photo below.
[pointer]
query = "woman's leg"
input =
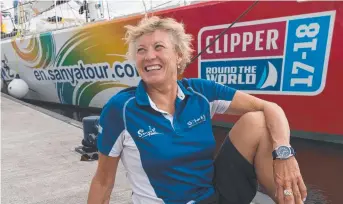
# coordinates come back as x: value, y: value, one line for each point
x: 244, y: 157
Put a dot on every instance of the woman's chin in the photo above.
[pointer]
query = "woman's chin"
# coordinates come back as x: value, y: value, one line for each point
x: 154, y: 80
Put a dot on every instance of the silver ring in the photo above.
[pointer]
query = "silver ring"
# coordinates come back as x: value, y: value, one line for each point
x: 287, y: 192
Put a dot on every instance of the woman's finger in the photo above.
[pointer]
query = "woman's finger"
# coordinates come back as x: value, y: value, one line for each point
x: 288, y: 193
x: 296, y: 194
x: 280, y: 195
x: 302, y: 188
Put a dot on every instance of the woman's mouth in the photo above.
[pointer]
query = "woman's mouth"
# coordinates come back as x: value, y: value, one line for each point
x: 152, y: 67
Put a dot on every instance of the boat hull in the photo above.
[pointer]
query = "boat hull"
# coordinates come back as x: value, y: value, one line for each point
x: 288, y: 56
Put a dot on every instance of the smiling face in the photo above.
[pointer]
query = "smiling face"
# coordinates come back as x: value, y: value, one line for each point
x: 156, y: 58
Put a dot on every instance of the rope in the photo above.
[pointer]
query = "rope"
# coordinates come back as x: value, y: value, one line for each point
x: 222, y: 33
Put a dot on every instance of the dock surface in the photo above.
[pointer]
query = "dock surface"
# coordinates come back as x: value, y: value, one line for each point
x: 39, y: 164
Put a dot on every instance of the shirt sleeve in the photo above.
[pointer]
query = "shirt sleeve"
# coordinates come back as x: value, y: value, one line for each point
x: 218, y: 95
x: 111, y: 129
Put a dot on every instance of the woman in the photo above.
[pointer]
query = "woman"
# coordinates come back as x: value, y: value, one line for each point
x: 161, y: 130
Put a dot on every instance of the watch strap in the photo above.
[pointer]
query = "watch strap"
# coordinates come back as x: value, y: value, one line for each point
x: 274, y: 154
x: 293, y: 152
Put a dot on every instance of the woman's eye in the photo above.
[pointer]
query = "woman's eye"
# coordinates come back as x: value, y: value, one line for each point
x: 158, y: 46
x: 140, y: 49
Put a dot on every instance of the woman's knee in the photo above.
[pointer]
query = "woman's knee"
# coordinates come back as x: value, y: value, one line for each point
x: 247, y: 133
x: 251, y: 124
x: 254, y: 119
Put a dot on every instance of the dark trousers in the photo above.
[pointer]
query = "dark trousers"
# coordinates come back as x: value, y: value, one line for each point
x: 234, y: 179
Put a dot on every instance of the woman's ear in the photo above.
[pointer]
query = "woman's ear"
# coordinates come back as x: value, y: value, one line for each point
x: 179, y: 59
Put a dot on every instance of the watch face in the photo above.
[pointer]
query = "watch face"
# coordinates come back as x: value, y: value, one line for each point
x: 283, y: 152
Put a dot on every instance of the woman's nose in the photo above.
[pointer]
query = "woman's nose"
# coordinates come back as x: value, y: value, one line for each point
x: 150, y: 54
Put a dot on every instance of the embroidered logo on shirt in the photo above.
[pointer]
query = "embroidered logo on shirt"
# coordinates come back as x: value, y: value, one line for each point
x: 147, y: 133
x: 196, y: 121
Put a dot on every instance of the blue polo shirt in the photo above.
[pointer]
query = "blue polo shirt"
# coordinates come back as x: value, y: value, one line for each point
x: 168, y: 158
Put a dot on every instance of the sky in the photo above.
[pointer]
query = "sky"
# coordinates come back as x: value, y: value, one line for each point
x: 70, y: 10
x: 122, y: 7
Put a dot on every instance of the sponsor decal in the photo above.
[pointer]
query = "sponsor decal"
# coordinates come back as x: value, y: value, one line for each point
x: 87, y: 72
x: 287, y: 55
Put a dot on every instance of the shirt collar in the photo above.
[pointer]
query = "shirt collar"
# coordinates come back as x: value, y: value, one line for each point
x: 143, y: 98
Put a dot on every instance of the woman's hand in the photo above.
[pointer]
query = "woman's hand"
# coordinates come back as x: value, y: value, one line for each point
x: 286, y: 172
x: 290, y: 187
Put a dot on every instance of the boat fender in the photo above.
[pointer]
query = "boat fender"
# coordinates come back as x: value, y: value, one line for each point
x: 18, y: 88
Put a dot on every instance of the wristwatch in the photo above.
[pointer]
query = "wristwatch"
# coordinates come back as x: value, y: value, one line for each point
x: 283, y: 152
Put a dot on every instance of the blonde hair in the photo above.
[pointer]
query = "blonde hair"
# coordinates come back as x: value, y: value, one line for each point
x: 181, y: 40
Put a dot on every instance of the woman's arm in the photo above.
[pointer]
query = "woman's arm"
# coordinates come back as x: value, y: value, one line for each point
x: 287, y: 174
x: 276, y: 120
x: 103, y: 181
